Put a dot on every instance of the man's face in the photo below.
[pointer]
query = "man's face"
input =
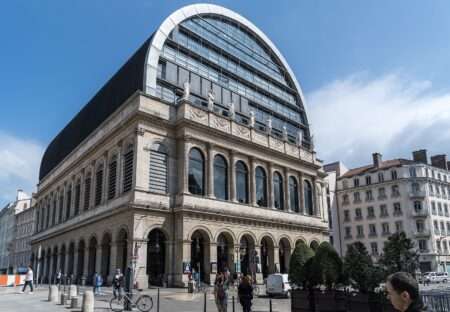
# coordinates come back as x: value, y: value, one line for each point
x: 399, y: 301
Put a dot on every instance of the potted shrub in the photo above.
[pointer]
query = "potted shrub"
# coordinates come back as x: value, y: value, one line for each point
x: 298, y: 276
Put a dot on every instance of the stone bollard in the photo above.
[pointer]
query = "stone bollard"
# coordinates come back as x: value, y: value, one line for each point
x: 53, y: 294
x: 72, y: 291
x: 63, y: 298
x: 74, y: 302
x: 88, y: 301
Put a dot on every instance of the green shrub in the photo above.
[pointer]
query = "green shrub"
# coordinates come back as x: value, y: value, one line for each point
x: 302, y: 253
x: 325, y: 268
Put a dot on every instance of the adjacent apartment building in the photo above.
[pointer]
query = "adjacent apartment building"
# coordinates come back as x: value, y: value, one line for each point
x: 8, y: 230
x: 384, y: 197
x: 196, y: 154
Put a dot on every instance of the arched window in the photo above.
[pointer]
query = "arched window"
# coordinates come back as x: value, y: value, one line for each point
x: 98, y: 185
x: 112, y: 178
x: 196, y: 172
x: 293, y: 194
x: 220, y: 177
x: 158, y: 168
x: 128, y: 168
x: 241, y: 182
x: 278, y: 191
x: 261, y: 187
x: 308, y: 198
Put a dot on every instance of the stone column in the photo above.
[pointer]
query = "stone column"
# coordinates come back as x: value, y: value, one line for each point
x: 212, y: 258
x: 183, y: 164
x: 301, y: 195
x: 287, y: 191
x: 259, y: 276
x: 141, y: 265
x: 232, y: 176
x: 98, y: 259
x: 105, y: 178
x: 270, y: 187
x: 112, y: 262
x: 66, y: 262
x: 82, y: 191
x: 210, y: 171
x: 252, y: 181
x: 276, y: 260
x: 236, y: 258
x: 315, y: 197
x: 119, y: 168
x: 75, y: 264
x: 169, y: 265
x: 186, y: 258
x: 86, y: 262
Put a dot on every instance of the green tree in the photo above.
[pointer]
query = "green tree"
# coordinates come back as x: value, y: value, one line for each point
x: 399, y: 254
x: 359, y: 268
x: 326, y: 267
x: 302, y: 253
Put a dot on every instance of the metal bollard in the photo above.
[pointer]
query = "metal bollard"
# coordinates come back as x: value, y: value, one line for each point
x: 233, y: 305
x: 72, y: 291
x: 53, y: 294
x: 63, y: 299
x: 204, y: 302
x: 88, y: 301
x: 157, y: 302
x: 270, y: 305
x: 74, y: 303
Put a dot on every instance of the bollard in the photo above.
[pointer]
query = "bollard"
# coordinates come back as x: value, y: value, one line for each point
x: 53, y: 294
x: 63, y: 299
x: 233, y: 305
x: 74, y: 302
x: 204, y: 302
x: 88, y: 301
x: 157, y: 302
x: 72, y: 291
x: 270, y: 305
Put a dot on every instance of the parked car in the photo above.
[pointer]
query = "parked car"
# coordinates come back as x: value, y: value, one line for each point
x: 435, y: 277
x: 278, y: 285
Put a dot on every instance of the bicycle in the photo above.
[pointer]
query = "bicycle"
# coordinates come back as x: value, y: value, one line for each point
x: 143, y: 303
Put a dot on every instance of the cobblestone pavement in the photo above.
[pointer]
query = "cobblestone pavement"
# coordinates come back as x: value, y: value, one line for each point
x: 11, y: 300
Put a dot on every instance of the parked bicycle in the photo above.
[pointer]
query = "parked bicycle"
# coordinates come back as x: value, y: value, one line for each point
x: 143, y: 303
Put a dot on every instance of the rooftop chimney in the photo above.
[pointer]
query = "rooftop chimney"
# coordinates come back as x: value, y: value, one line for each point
x: 439, y: 161
x: 420, y: 156
x: 377, y: 159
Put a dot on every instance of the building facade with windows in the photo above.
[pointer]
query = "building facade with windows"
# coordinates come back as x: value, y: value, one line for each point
x: 196, y: 155
x: 23, y: 231
x: 396, y: 195
x: 8, y: 218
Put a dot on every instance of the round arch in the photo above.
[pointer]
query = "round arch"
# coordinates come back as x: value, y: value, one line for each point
x: 228, y: 232
x: 156, y: 227
x: 202, y: 228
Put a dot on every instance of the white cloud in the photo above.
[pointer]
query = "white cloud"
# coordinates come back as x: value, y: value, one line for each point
x: 356, y: 116
x: 19, y: 166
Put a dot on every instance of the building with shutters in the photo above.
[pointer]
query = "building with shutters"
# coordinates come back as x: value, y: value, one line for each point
x: 196, y: 154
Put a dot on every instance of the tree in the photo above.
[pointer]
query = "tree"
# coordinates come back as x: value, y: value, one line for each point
x: 326, y: 267
x: 359, y: 268
x: 399, y: 254
x: 302, y: 253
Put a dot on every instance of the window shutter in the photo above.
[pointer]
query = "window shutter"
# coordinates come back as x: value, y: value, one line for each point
x: 158, y: 172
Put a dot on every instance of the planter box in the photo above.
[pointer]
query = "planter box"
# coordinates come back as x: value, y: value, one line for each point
x: 330, y: 301
x: 300, y: 301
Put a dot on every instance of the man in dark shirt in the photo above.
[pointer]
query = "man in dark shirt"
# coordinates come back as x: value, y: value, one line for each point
x: 403, y: 292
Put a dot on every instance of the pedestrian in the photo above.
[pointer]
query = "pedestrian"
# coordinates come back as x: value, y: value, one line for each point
x: 221, y: 293
x: 403, y: 292
x: 245, y: 293
x: 97, y: 282
x: 117, y: 284
x: 58, y: 277
x: 28, y: 280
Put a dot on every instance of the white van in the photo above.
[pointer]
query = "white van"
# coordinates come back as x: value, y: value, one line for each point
x: 435, y: 277
x: 278, y: 284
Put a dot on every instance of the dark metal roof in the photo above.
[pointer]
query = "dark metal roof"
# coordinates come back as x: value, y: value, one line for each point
x: 119, y: 88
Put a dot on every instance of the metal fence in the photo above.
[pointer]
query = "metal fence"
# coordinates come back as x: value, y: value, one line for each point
x: 437, y: 302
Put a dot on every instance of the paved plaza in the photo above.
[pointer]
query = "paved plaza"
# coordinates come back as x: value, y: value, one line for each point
x: 170, y: 300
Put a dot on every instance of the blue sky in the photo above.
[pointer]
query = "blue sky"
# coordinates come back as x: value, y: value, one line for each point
x: 375, y: 73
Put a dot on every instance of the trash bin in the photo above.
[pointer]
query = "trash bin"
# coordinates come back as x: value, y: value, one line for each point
x: 190, y: 286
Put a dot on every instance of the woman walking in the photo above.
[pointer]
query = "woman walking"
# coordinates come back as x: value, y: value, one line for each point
x: 221, y: 293
x: 245, y: 293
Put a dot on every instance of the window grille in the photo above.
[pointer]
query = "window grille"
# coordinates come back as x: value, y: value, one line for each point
x: 158, y: 171
x: 128, y: 170
x: 112, y: 179
x: 98, y: 185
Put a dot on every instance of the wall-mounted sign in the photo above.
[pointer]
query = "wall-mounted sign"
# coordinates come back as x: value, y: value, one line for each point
x: 186, y: 267
x: 213, y: 267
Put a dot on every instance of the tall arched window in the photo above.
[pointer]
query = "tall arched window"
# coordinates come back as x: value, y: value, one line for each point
x: 241, y: 182
x: 309, y: 208
x: 261, y: 187
x: 158, y: 168
x: 196, y: 172
x: 293, y: 194
x: 278, y: 191
x: 112, y: 178
x: 220, y: 177
x: 128, y: 158
x: 98, y: 185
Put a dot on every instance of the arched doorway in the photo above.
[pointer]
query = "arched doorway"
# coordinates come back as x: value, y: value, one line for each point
x: 81, y: 251
x: 284, y: 250
x: 92, y: 259
x: 122, y: 252
x: 62, y: 255
x: 71, y: 259
x: 156, y: 257
x: 106, y: 256
x: 54, y: 264
x: 267, y: 249
x: 200, y: 254
x: 314, y: 245
x: 47, y: 266
x: 41, y: 263
x: 248, y: 256
x: 224, y: 252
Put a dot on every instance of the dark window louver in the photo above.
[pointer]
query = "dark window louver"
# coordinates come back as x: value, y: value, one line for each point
x: 61, y: 209
x: 128, y: 171
x: 112, y: 180
x: 158, y: 172
x: 54, y: 212
x: 98, y: 187
x: 48, y: 215
x: 77, y: 198
x: 87, y: 192
x: 69, y: 202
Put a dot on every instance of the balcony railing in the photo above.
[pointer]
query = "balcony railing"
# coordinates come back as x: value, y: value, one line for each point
x: 420, y: 213
x: 417, y: 194
x: 422, y: 233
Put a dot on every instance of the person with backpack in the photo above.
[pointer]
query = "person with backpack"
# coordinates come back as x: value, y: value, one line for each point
x: 221, y: 293
x: 117, y: 284
x: 245, y: 294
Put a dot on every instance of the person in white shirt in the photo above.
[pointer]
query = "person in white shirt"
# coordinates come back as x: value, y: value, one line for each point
x: 28, y: 280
